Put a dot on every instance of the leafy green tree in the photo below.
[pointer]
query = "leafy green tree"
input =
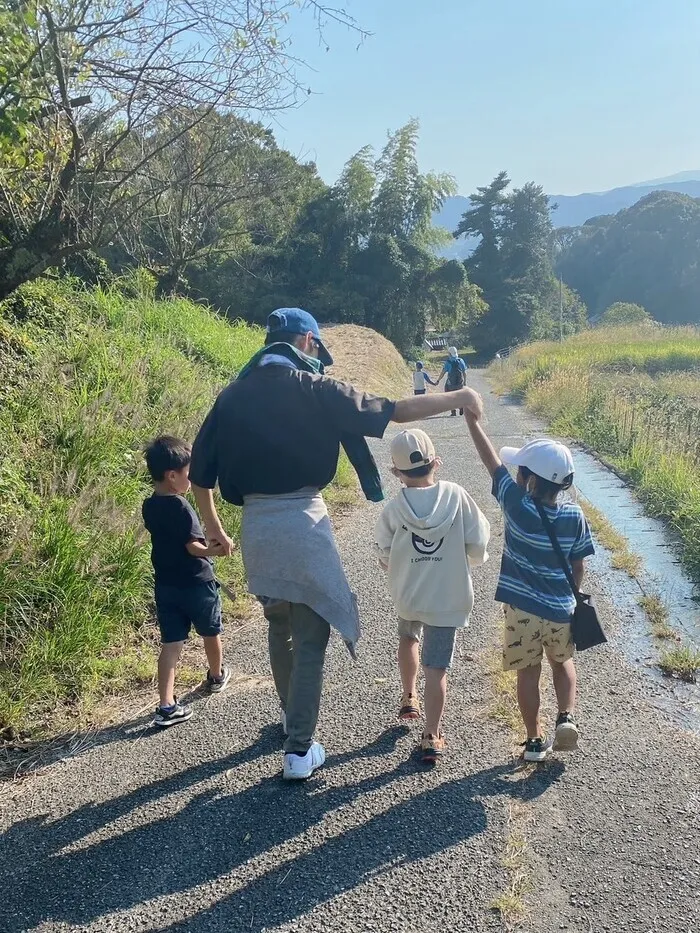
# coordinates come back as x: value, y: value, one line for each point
x: 646, y: 254
x: 110, y: 86
x: 360, y: 252
x: 356, y: 190
x: 571, y: 318
x: 513, y: 266
x: 624, y: 312
x: 525, y: 233
x: 406, y: 199
x: 230, y: 171
x: 20, y: 89
x: 484, y: 220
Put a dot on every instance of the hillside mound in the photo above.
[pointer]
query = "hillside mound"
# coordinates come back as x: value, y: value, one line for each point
x: 367, y: 359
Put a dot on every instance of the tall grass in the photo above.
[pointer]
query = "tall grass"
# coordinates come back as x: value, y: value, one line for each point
x: 634, y: 396
x: 86, y: 383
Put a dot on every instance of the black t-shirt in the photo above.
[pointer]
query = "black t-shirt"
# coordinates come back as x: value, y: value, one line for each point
x: 173, y: 523
x: 279, y: 430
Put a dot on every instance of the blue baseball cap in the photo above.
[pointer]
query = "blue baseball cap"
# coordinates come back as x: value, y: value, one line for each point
x: 298, y: 321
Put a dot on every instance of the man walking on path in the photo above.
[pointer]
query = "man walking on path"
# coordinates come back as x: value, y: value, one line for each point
x: 272, y: 441
x: 454, y: 369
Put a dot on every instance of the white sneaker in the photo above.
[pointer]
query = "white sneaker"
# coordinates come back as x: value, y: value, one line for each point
x: 283, y: 721
x: 300, y: 767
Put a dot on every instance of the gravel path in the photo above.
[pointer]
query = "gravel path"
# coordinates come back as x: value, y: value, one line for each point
x: 192, y: 829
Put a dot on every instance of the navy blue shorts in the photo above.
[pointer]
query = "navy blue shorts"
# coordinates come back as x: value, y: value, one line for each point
x: 182, y: 607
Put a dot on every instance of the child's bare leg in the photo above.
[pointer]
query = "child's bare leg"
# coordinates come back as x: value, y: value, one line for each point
x: 215, y: 654
x: 529, y: 699
x: 564, y: 677
x: 435, y: 695
x: 408, y: 664
x: 167, y: 662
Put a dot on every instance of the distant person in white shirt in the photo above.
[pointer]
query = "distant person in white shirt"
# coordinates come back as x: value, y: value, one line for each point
x: 428, y: 536
x: 420, y: 377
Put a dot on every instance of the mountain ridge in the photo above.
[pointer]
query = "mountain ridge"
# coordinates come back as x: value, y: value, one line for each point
x: 572, y: 210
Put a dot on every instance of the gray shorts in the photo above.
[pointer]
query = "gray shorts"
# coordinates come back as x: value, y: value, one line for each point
x: 438, y: 642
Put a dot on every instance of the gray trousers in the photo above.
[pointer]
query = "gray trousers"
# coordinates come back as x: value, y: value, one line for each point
x: 297, y: 637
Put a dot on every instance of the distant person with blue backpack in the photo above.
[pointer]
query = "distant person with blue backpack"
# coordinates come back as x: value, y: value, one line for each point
x: 454, y: 369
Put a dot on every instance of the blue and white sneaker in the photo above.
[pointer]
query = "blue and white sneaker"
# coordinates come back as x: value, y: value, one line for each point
x: 165, y: 717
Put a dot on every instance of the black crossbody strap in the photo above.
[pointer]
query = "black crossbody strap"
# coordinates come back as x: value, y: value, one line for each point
x: 565, y: 565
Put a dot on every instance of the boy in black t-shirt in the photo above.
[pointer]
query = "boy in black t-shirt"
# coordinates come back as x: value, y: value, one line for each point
x: 186, y: 591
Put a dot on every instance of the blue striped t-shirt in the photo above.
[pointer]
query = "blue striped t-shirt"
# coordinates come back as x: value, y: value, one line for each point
x: 531, y: 578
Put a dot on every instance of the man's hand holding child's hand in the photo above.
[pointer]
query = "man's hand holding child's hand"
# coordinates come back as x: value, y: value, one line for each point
x: 471, y: 402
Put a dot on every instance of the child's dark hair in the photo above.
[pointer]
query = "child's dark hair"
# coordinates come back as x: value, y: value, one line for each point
x: 419, y: 365
x: 544, y: 488
x: 167, y: 453
x: 419, y: 472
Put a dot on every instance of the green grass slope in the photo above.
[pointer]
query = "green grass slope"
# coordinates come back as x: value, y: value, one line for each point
x: 86, y: 378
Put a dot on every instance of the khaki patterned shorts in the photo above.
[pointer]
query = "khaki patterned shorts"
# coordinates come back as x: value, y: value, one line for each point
x: 527, y: 637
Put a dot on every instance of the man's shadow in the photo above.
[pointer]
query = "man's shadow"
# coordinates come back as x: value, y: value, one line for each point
x: 65, y: 877
x: 412, y: 830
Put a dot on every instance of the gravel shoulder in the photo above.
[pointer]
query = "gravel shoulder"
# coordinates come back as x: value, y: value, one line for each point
x: 193, y: 830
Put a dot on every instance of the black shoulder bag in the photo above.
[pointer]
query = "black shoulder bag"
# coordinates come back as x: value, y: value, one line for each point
x: 585, y: 625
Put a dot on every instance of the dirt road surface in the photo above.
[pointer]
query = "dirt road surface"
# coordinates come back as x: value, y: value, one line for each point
x: 192, y: 830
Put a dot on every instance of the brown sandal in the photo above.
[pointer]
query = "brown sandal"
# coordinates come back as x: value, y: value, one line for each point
x: 432, y: 748
x: 410, y: 707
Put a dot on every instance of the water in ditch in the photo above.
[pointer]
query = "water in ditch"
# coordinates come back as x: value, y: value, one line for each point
x: 661, y: 574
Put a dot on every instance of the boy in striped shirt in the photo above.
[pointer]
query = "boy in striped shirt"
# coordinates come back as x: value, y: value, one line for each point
x: 532, y: 586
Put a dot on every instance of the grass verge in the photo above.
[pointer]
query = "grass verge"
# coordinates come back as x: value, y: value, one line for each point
x: 634, y: 397
x: 657, y: 615
x: 504, y: 706
x: 621, y: 557
x: 87, y: 377
x: 682, y: 661
x: 510, y: 903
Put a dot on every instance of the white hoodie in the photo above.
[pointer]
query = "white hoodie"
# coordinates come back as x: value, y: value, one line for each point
x: 427, y: 537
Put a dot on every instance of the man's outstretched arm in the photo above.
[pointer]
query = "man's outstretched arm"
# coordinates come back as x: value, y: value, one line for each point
x: 419, y: 407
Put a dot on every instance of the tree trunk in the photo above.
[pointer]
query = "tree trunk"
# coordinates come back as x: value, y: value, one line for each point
x: 172, y: 282
x: 28, y: 259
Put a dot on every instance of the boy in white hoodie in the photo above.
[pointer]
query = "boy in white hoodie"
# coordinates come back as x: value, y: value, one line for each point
x: 427, y: 537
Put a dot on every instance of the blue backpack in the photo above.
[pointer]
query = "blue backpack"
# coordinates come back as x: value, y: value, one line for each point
x: 455, y: 373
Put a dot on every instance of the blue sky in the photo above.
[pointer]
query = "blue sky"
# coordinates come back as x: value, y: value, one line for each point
x: 578, y: 95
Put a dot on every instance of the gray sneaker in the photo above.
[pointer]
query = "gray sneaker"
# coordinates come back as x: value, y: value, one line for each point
x: 170, y: 717
x: 537, y: 749
x: 565, y: 733
x: 217, y: 684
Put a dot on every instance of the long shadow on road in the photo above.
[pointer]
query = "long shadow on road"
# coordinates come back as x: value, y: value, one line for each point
x: 217, y: 831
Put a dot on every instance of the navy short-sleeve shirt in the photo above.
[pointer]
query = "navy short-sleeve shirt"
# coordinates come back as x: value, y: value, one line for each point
x: 173, y: 524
